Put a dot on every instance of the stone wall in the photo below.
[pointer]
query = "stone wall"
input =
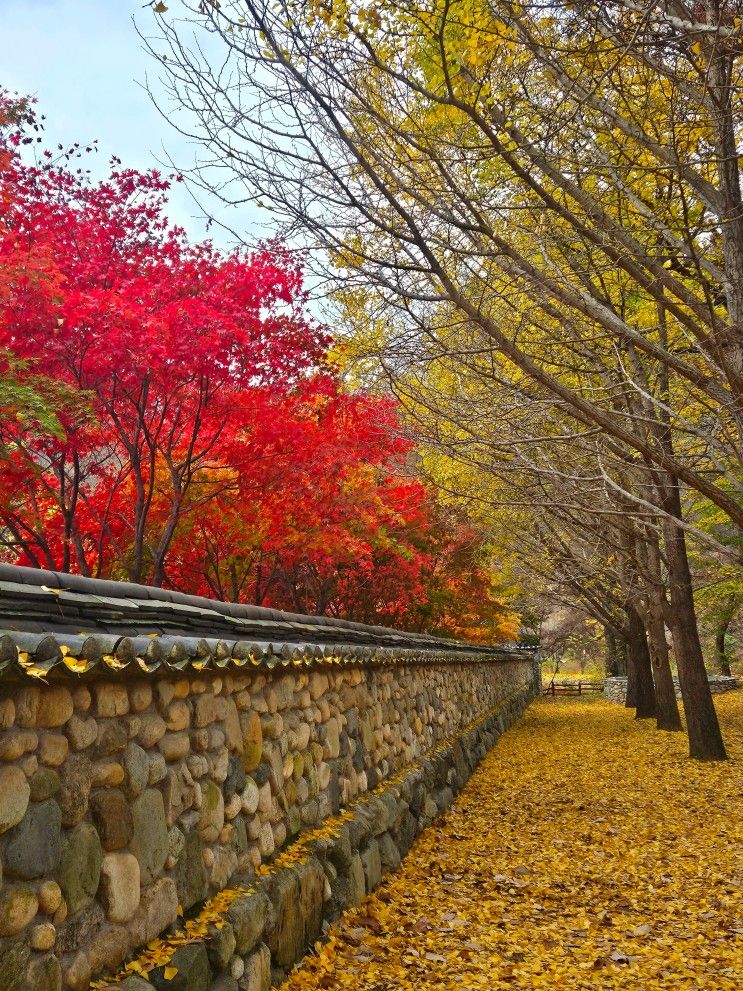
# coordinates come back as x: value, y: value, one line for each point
x: 615, y: 689
x: 125, y: 803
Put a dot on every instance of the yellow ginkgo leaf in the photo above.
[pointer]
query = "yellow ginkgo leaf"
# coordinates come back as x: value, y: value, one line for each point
x: 169, y: 973
x: 76, y: 664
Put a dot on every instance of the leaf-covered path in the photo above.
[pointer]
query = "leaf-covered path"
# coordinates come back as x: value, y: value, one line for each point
x: 587, y: 851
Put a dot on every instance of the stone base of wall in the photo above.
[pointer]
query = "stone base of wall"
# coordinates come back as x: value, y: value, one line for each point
x: 615, y: 689
x: 253, y: 934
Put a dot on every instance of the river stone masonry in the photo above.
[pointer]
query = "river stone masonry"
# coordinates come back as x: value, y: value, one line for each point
x: 274, y: 918
x: 142, y: 774
x: 615, y: 689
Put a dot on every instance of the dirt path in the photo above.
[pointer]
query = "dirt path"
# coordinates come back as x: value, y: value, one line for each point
x: 587, y: 852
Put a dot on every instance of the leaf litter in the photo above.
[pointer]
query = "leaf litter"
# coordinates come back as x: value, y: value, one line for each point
x: 586, y: 852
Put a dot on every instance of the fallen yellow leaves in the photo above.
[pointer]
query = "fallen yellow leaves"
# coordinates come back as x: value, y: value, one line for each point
x: 587, y: 852
x: 159, y: 952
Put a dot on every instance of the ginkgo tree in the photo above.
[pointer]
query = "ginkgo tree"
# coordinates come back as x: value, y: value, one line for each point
x: 557, y: 180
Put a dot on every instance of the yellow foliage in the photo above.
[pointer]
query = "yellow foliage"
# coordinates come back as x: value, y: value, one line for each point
x: 587, y: 852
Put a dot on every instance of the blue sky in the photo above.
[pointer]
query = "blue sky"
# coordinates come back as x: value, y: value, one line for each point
x: 84, y: 62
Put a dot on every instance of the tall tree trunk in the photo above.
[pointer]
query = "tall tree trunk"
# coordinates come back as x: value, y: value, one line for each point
x: 667, y: 713
x: 723, y: 622
x: 655, y: 599
x: 630, y: 699
x: 705, y: 738
x: 612, y: 656
x: 702, y: 726
x: 720, y: 78
x: 640, y: 655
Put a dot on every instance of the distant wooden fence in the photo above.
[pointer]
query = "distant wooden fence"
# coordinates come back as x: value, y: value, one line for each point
x: 573, y: 687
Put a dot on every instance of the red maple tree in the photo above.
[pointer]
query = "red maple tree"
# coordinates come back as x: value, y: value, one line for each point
x: 204, y: 443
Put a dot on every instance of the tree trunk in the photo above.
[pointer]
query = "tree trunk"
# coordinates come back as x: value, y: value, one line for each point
x: 667, y: 715
x: 612, y: 660
x: 630, y: 699
x: 724, y: 621
x: 705, y: 738
x: 640, y: 655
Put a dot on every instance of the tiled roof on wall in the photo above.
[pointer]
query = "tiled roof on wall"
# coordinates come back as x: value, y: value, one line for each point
x: 58, y: 625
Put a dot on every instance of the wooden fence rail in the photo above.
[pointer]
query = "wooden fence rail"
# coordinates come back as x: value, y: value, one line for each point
x: 573, y: 687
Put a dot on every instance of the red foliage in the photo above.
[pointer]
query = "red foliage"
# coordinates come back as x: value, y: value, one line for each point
x: 212, y: 449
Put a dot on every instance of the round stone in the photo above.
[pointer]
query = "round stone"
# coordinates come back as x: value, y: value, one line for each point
x: 82, y: 732
x: 119, y: 890
x: 75, y: 776
x: 27, y: 706
x: 158, y: 768
x: 137, y: 766
x: 152, y: 729
x: 140, y: 696
x: 55, y: 707
x: 43, y: 936
x: 44, y: 973
x: 35, y: 845
x: 252, y: 741
x: 50, y: 897
x: 77, y: 974
x: 112, y: 817
x: 107, y: 773
x: 60, y: 915
x: 7, y: 713
x: 44, y: 784
x: 250, y: 797
x: 17, y: 907
x: 29, y: 765
x: 81, y: 698
x: 14, y: 796
x: 112, y: 737
x: 53, y: 749
x: 80, y: 868
x: 149, y: 841
x: 178, y: 716
x: 111, y: 699
x: 232, y: 807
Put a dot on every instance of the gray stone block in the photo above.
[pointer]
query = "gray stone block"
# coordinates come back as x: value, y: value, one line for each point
x: 388, y: 852
x: 194, y: 972
x: 248, y: 915
x: 35, y: 845
x: 149, y: 842
x: 191, y: 878
x: 220, y: 946
x: 372, y: 862
x: 80, y: 867
x: 257, y: 974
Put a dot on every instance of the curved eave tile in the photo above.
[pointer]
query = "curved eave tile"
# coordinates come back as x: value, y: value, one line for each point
x: 54, y: 656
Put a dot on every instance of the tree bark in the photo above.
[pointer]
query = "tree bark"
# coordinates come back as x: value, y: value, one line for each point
x: 667, y: 714
x: 644, y: 700
x: 630, y: 699
x: 703, y: 728
x: 723, y: 622
x: 612, y: 653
